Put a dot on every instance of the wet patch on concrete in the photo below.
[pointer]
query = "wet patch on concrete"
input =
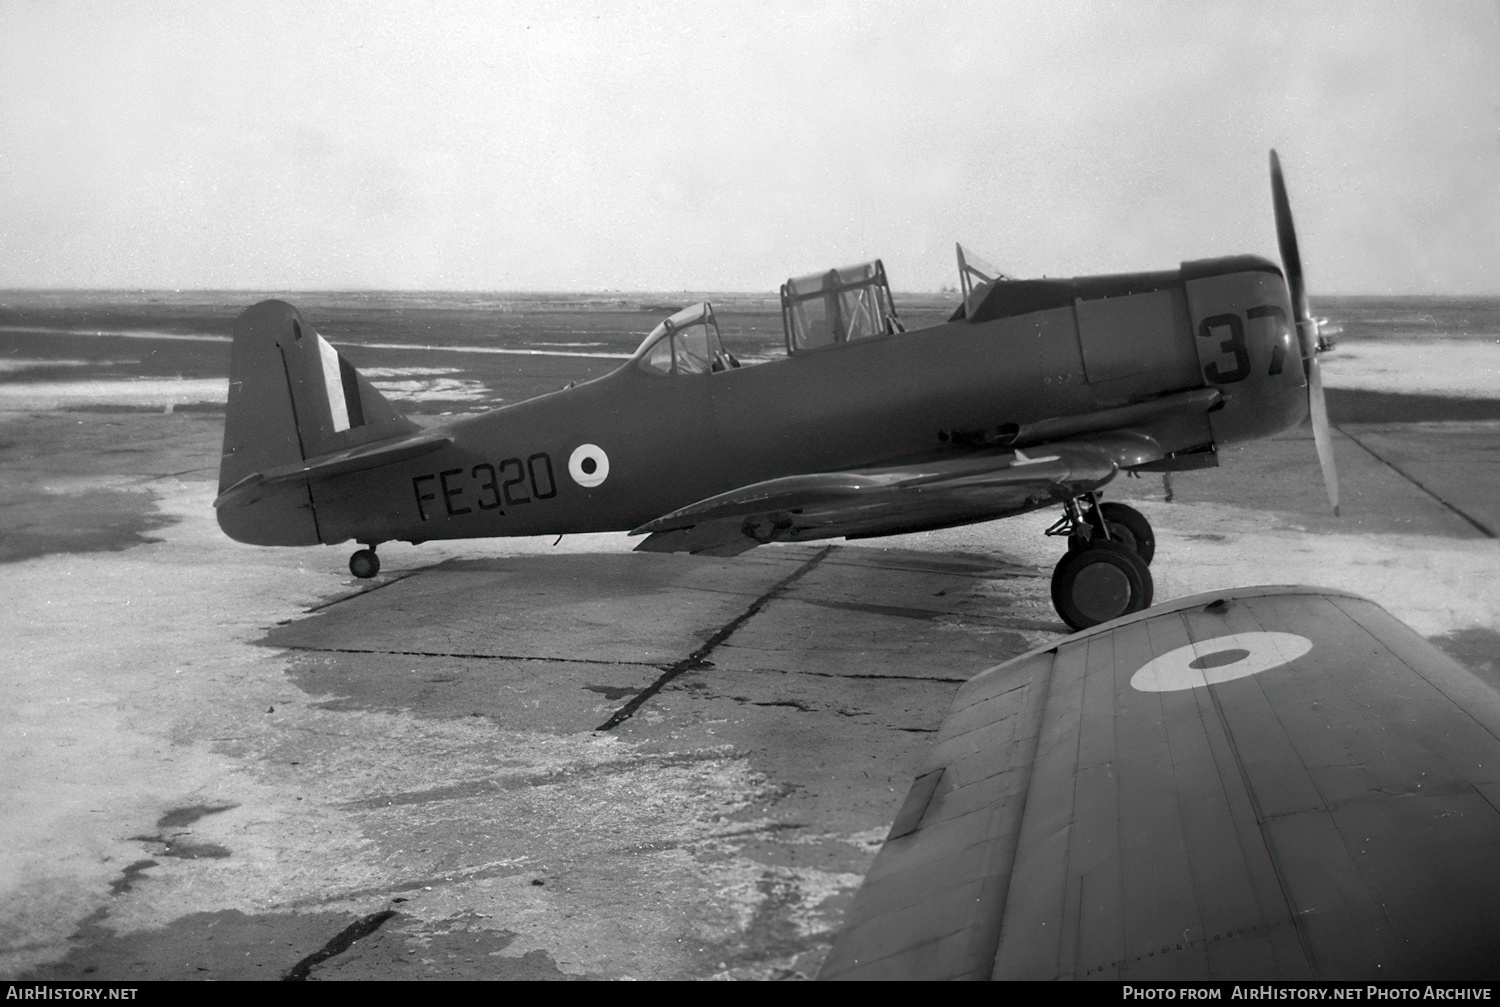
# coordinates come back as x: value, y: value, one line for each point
x: 1476, y: 649
x: 127, y: 879
x: 525, y: 694
x: 37, y: 522
x: 76, y: 484
x: 184, y: 850
x: 179, y: 818
x: 220, y: 945
x: 612, y: 692
x: 459, y: 948
x: 39, y: 447
x: 172, y: 844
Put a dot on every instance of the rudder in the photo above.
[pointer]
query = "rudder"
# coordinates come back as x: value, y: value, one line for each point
x: 292, y: 397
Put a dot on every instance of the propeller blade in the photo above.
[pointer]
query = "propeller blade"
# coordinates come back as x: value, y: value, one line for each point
x: 1318, y: 410
x: 1307, y: 330
x: 1286, y: 239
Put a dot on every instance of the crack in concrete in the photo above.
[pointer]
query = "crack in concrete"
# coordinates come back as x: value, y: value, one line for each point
x: 341, y: 942
x: 390, y: 579
x: 696, y: 658
x: 1481, y: 526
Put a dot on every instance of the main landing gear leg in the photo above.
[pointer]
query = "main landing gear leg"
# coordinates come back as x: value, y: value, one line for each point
x: 1104, y: 573
x: 365, y: 564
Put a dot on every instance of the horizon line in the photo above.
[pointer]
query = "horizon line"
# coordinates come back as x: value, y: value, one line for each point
x: 595, y: 291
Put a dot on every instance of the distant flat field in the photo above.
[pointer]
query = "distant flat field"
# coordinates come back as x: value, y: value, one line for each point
x: 439, y: 353
x: 433, y: 353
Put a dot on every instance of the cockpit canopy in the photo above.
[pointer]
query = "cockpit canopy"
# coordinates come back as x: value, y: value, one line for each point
x: 686, y: 343
x: 838, y: 306
x: 976, y: 277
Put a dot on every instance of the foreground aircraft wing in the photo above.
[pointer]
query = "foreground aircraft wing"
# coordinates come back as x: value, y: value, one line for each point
x: 881, y: 501
x: 1262, y: 783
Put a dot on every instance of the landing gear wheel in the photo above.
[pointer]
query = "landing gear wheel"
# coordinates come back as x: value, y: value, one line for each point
x: 1101, y: 582
x: 364, y: 564
x: 1118, y: 533
x: 1118, y: 514
x: 1127, y: 526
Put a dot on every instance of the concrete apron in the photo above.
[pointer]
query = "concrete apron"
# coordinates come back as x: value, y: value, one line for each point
x: 599, y: 764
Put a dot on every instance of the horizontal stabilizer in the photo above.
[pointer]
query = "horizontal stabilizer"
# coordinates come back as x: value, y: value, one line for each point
x: 366, y: 456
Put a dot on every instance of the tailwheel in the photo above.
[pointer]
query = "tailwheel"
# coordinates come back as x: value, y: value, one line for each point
x: 1099, y: 582
x: 364, y: 564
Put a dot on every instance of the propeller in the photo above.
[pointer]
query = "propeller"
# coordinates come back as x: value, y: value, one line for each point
x: 1307, y: 330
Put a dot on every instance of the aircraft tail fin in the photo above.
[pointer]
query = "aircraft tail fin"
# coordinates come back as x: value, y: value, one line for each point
x: 293, y: 397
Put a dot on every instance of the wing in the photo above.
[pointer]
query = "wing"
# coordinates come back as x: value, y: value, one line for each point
x: 975, y: 486
x: 1268, y: 783
x: 1063, y: 457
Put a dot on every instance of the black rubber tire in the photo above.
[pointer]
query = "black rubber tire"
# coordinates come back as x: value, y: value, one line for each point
x: 1118, y: 533
x: 1136, y: 523
x: 1100, y: 583
x: 364, y: 564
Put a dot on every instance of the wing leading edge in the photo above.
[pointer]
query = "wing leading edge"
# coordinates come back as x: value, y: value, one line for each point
x: 881, y: 501
x: 1268, y: 783
x: 1063, y: 457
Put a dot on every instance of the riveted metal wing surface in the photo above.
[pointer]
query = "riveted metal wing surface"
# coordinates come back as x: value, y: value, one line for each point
x: 1262, y: 783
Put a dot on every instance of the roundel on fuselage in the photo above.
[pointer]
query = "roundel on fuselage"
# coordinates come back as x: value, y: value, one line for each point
x: 1221, y: 659
x: 588, y: 465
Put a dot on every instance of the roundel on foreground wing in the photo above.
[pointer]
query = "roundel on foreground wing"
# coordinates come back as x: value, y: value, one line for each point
x: 588, y: 465
x: 1221, y: 659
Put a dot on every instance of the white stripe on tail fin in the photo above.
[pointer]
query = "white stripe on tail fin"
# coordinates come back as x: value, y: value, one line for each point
x: 333, y: 382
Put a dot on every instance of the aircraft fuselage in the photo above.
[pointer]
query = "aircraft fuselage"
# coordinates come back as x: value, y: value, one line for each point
x: 671, y: 439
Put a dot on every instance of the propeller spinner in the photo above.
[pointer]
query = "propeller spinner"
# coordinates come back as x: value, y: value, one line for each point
x: 1307, y: 330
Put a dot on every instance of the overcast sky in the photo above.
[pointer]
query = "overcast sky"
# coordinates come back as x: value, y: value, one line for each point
x: 714, y: 146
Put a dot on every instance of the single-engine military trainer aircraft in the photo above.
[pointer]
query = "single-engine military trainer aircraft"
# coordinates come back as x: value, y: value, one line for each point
x: 1035, y: 393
